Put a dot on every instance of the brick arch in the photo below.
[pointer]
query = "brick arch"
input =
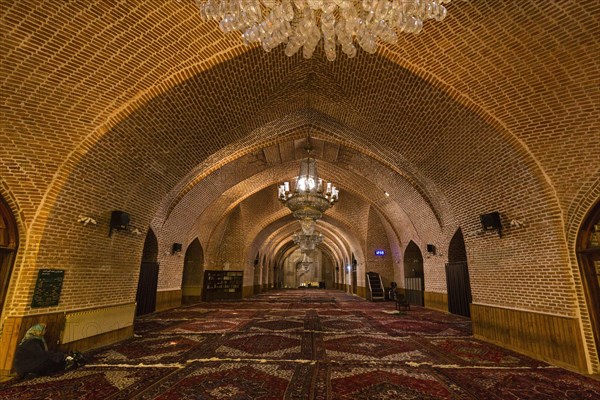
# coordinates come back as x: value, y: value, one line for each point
x: 71, y: 161
x: 236, y: 149
x: 224, y: 49
x: 279, y: 232
x: 227, y: 199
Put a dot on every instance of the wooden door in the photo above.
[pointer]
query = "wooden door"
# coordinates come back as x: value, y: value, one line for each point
x: 459, y: 288
x: 413, y: 288
x: 147, y: 285
x: 148, y: 280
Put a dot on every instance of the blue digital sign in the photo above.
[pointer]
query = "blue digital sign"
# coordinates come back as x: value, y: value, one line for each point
x: 380, y: 253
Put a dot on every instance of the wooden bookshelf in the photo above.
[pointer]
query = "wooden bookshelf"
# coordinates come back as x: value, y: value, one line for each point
x: 223, y: 285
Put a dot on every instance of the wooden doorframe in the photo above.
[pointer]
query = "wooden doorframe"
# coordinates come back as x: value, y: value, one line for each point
x: 587, y: 257
x: 9, y: 243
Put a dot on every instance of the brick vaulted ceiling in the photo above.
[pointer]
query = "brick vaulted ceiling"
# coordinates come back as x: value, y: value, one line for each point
x: 136, y: 105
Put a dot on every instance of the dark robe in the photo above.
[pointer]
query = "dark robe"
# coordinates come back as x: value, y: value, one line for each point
x: 32, y: 358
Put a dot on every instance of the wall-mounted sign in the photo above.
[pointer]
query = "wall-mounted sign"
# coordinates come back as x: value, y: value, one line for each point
x: 380, y: 253
x: 47, y: 288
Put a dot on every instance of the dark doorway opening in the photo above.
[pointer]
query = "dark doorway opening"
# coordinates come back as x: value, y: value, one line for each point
x: 148, y: 281
x: 588, y: 257
x: 457, y: 277
x: 414, y: 277
x: 193, y: 274
x: 354, y: 275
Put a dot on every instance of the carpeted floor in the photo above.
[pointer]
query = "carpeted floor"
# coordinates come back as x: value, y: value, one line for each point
x: 305, y: 344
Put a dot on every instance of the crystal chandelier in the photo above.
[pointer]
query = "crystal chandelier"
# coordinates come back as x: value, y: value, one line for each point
x: 311, y: 196
x: 303, y: 23
x: 306, y: 263
x: 307, y: 239
x: 307, y: 243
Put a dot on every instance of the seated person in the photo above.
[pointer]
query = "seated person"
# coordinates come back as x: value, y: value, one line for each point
x: 32, y: 355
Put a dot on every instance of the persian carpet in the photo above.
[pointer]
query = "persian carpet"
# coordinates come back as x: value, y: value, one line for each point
x: 310, y: 344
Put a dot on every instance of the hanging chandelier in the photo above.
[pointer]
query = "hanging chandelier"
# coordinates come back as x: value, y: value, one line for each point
x: 311, y: 196
x: 307, y: 243
x: 307, y: 239
x: 303, y: 23
x: 306, y: 263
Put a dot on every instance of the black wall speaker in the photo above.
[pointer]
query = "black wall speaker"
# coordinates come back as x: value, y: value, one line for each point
x: 176, y: 247
x: 118, y: 220
x: 431, y: 248
x: 491, y: 222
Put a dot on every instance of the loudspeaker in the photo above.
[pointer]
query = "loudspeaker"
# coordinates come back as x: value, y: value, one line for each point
x: 491, y: 222
x: 176, y: 247
x: 431, y: 248
x: 118, y: 220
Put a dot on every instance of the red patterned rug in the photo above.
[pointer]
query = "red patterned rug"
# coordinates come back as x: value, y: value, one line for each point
x: 305, y: 344
x: 87, y: 383
x: 534, y: 384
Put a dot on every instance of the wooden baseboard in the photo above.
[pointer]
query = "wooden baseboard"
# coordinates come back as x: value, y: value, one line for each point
x: 247, y: 291
x: 167, y: 299
x: 551, y: 338
x: 436, y: 301
x: 14, y: 329
x: 361, y: 291
x: 101, y: 340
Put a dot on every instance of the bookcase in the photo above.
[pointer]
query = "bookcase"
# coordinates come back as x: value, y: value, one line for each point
x: 223, y: 285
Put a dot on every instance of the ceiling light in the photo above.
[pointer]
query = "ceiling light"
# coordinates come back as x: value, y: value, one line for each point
x: 311, y: 196
x: 303, y: 23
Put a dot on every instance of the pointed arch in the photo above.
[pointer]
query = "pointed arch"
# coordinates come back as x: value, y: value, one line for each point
x: 148, y: 279
x: 193, y: 273
x: 457, y: 276
x: 354, y: 276
x: 457, y: 252
x: 257, y: 272
x: 414, y: 276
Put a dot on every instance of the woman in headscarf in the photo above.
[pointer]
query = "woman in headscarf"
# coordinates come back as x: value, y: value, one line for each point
x: 32, y: 355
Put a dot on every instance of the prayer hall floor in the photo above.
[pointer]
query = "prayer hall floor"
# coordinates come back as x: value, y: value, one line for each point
x: 305, y: 344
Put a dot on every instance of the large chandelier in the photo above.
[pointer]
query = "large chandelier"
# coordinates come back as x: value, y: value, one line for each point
x: 307, y: 239
x: 303, y: 23
x: 306, y: 263
x: 311, y: 196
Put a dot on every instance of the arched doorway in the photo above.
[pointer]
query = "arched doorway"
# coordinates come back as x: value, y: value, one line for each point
x: 193, y: 269
x: 354, y: 275
x: 414, y: 277
x: 457, y: 276
x: 257, y: 268
x: 148, y: 281
x: 265, y: 274
x: 9, y: 241
x: 588, y: 257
